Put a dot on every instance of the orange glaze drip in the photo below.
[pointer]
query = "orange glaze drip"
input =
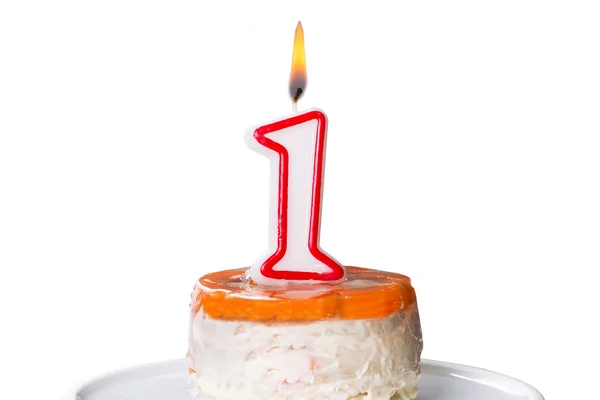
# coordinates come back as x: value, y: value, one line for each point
x: 365, y: 293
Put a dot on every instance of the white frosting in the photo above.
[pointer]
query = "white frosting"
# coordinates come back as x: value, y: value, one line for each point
x: 375, y: 359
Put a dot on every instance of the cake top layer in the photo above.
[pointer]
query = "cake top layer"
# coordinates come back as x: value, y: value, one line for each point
x: 365, y: 294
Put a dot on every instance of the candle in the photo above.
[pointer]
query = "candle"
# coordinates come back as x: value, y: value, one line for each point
x: 295, y: 146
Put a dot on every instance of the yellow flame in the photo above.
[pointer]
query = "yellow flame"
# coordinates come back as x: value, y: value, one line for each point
x: 298, y: 74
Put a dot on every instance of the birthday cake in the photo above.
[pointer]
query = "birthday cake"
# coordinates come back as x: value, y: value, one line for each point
x: 359, y: 339
x: 296, y: 324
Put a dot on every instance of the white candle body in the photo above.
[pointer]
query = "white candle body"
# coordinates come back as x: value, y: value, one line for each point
x: 300, y: 142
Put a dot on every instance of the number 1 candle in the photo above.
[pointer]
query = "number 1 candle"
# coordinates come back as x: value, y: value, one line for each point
x: 295, y: 146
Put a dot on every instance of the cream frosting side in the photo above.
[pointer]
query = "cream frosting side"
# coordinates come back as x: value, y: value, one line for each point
x: 375, y: 359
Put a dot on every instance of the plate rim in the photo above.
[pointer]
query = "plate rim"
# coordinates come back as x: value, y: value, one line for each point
x: 479, y: 375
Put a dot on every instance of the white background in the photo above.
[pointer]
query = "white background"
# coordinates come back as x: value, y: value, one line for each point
x: 464, y: 145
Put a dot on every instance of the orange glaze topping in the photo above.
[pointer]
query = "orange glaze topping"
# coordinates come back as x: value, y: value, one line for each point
x: 365, y: 293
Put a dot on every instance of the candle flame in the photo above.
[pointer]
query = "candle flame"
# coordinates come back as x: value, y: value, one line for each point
x: 298, y: 74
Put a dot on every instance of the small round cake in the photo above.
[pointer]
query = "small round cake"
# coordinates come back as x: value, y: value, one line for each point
x: 359, y: 339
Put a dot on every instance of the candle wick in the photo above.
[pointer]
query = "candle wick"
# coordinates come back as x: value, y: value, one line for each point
x: 296, y: 96
x: 297, y: 93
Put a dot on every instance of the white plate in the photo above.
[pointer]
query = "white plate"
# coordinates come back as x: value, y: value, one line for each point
x: 168, y: 381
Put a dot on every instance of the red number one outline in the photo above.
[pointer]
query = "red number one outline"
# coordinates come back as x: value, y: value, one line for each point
x: 336, y: 270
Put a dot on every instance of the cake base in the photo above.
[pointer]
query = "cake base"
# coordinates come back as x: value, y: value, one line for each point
x: 374, y: 359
